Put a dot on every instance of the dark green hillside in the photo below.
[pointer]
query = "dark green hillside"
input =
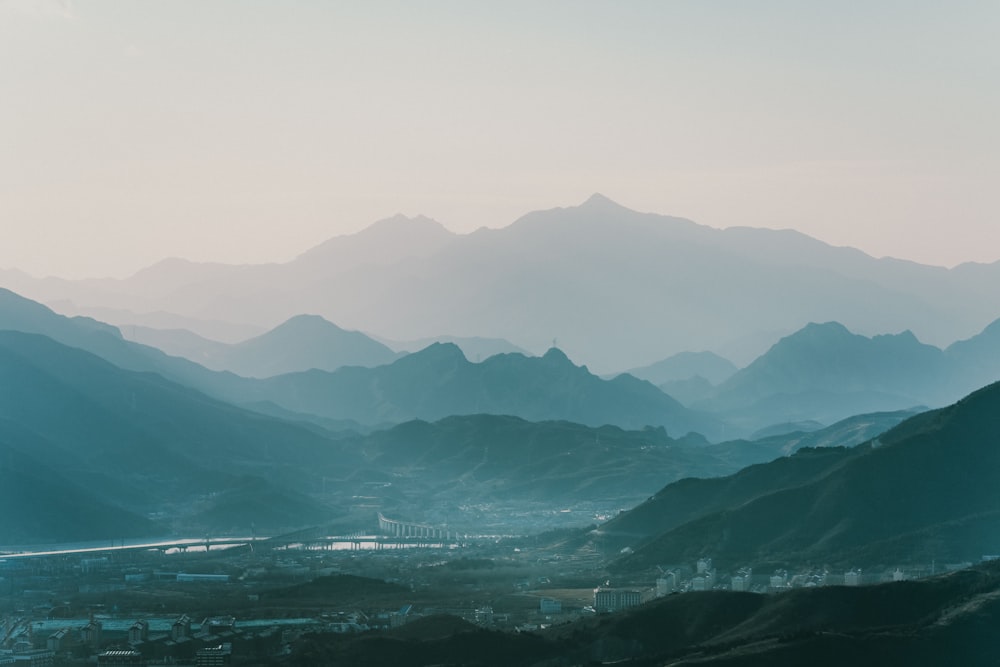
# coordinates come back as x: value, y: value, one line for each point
x: 257, y: 503
x: 847, y: 432
x: 346, y: 589
x: 688, y: 499
x: 932, y: 476
x: 489, y: 456
x: 40, y: 505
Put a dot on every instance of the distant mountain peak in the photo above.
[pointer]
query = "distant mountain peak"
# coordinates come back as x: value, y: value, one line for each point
x: 308, y: 321
x: 598, y: 199
x: 440, y: 350
x: 830, y: 327
x: 598, y: 202
x: 384, y: 241
x: 554, y: 354
x: 401, y: 221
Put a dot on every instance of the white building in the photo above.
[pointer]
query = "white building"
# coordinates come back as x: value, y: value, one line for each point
x: 666, y: 584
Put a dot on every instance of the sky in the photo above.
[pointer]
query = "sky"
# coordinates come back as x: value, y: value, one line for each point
x: 244, y: 131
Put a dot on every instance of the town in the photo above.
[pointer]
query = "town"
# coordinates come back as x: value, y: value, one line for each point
x: 234, y: 603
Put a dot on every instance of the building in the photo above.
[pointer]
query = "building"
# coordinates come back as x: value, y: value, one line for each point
x: 88, y: 565
x: 549, y: 606
x: 217, y: 655
x: 666, y: 584
x: 139, y: 632
x: 699, y: 583
x: 120, y: 657
x: 219, y: 624
x: 90, y: 634
x: 60, y: 640
x: 740, y: 583
x: 36, y: 657
x: 608, y: 600
x: 852, y: 578
x: 181, y: 629
x: 401, y: 617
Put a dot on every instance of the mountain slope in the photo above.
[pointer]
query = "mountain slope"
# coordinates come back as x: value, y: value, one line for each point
x: 924, y: 490
x: 687, y: 365
x: 977, y: 359
x: 42, y: 505
x: 137, y: 440
x: 823, y: 372
x: 763, y: 466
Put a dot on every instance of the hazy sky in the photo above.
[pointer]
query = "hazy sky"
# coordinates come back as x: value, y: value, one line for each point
x: 246, y: 131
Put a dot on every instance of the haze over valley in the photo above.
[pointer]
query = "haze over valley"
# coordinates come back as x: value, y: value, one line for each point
x: 514, y: 335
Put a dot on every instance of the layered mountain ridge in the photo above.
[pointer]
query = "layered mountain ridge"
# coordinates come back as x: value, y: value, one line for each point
x: 575, y: 274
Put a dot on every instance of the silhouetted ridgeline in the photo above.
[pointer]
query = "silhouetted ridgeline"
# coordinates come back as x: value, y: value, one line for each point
x: 619, y: 288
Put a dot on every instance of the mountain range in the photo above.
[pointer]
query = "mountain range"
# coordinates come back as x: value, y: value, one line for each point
x: 439, y: 381
x: 431, y: 384
x: 617, y: 288
x: 132, y: 446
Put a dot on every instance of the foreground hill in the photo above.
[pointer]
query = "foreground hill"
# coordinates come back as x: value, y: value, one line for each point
x: 946, y: 620
x: 45, y: 505
x: 630, y: 287
x: 693, y: 497
x: 922, y: 491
